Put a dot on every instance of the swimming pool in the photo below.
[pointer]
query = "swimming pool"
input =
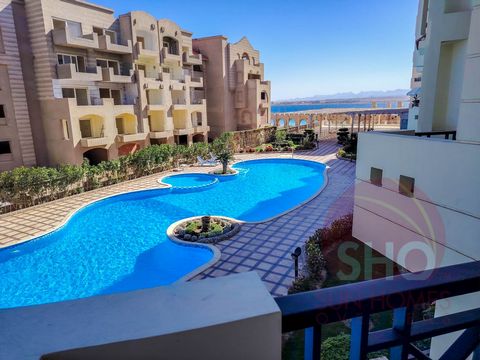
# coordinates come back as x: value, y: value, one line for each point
x: 120, y: 244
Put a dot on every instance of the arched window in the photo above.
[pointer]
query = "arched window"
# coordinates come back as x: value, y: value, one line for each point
x: 245, y: 57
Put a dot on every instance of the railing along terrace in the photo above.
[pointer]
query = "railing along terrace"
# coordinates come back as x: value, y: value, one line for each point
x: 438, y: 133
x: 311, y: 310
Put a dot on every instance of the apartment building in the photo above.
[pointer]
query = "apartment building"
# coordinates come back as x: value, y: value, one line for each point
x: 238, y: 95
x: 97, y: 86
x: 417, y: 198
x: 16, y: 135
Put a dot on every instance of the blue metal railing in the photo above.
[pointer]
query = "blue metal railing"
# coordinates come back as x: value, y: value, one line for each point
x: 311, y: 310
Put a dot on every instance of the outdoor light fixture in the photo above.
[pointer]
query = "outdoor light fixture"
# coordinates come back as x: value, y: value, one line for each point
x: 295, y: 255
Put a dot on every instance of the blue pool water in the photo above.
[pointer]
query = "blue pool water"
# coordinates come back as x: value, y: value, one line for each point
x: 190, y: 180
x: 120, y: 243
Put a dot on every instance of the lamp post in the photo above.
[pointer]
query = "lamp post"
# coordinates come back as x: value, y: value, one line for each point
x: 295, y: 255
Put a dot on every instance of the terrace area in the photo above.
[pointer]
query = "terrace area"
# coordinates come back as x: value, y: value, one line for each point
x: 255, y: 265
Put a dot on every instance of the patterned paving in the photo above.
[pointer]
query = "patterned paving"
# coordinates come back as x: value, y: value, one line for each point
x: 264, y: 248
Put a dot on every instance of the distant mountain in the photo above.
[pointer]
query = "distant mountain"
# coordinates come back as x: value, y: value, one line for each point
x: 399, y: 93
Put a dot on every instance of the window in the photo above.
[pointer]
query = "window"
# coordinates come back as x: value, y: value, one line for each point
x: 171, y: 44
x: 2, y: 111
x: 406, y: 185
x: 79, y: 61
x: 141, y: 40
x: 115, y: 65
x: 68, y: 93
x: 80, y: 94
x: 66, y: 133
x: 98, y: 31
x: 264, y: 95
x: 120, y: 125
x: 5, y: 147
x: 104, y: 93
x: 85, y: 128
x: 376, y: 176
x: 245, y: 57
x: 2, y: 48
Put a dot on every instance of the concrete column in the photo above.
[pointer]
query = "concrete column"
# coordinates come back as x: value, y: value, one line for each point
x: 468, y: 127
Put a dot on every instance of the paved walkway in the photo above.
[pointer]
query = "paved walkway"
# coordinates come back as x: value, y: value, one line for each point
x: 267, y: 253
x: 266, y: 248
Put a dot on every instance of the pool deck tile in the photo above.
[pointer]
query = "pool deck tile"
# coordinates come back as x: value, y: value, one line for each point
x: 264, y: 248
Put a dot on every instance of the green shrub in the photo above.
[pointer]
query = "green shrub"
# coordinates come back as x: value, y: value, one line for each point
x: 22, y: 187
x: 280, y: 135
x: 338, y: 348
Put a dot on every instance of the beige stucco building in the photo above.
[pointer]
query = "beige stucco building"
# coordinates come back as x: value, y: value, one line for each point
x: 94, y: 86
x: 238, y: 95
x: 16, y: 135
x: 416, y: 197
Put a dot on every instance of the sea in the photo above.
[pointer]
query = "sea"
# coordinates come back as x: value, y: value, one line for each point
x: 305, y: 107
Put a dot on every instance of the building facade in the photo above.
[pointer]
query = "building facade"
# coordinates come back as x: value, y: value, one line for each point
x: 16, y: 135
x: 417, y: 198
x: 99, y: 86
x: 238, y: 95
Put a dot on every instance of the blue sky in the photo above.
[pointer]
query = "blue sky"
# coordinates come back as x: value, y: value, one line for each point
x: 309, y: 47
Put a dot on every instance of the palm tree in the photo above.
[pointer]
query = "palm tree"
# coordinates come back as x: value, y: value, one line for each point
x: 223, y: 149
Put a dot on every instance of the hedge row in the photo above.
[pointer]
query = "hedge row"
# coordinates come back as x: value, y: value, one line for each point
x: 24, y: 187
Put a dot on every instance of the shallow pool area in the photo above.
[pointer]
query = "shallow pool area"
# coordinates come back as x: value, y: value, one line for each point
x: 120, y: 244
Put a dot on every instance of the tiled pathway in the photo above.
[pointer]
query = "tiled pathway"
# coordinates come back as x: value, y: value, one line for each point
x: 266, y: 248
x: 267, y: 253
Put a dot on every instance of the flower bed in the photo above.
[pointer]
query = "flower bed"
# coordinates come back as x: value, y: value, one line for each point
x: 206, y: 230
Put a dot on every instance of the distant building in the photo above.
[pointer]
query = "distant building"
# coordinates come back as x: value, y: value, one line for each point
x: 418, y: 195
x: 89, y: 85
x: 238, y: 95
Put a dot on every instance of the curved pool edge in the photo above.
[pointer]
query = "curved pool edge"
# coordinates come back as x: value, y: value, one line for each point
x: 188, y: 188
x: 167, y: 187
x: 216, y: 251
x: 320, y: 190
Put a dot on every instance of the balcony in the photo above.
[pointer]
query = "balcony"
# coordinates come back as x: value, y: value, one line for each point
x: 69, y: 71
x: 153, y: 82
x: 180, y: 132
x: 62, y: 37
x: 198, y: 104
x: 108, y: 75
x: 126, y: 138
x: 357, y: 302
x: 105, y: 44
x: 137, y: 325
x: 156, y: 107
x: 169, y: 57
x: 196, y: 82
x: 161, y: 134
x: 192, y: 59
x: 94, y: 142
x: 179, y: 105
x: 147, y: 54
x: 201, y: 129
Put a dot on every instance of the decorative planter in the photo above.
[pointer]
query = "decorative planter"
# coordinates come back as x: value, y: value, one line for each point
x: 230, y: 228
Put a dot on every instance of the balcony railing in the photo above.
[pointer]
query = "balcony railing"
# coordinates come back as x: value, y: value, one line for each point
x: 446, y: 134
x: 69, y: 71
x: 401, y: 293
x: 63, y: 37
x: 105, y: 43
x: 195, y: 59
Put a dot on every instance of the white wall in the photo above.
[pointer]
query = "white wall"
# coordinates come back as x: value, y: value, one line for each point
x: 231, y: 317
x: 442, y: 219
